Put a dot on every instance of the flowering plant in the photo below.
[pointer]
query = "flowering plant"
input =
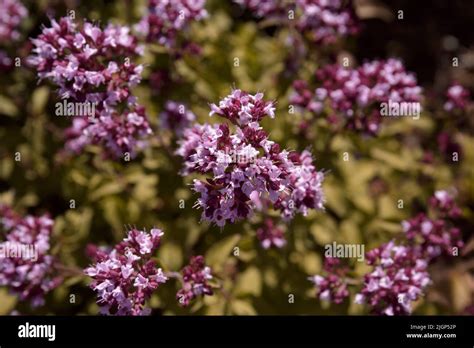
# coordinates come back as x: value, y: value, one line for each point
x: 116, y: 118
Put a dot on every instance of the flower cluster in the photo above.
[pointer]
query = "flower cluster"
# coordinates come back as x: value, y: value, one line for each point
x: 333, y: 286
x: 176, y: 117
x: 92, y: 66
x: 322, y: 21
x: 265, y: 8
x: 165, y: 19
x: 400, y: 269
x: 29, y: 275
x: 434, y: 234
x: 13, y: 12
x: 195, y: 278
x: 399, y: 278
x: 448, y: 146
x: 248, y: 170
x: 271, y: 235
x: 353, y: 96
x: 125, y: 277
x: 458, y: 98
x: 444, y: 204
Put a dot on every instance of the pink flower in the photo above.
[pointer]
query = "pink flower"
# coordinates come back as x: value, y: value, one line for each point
x: 270, y: 235
x: 354, y: 96
x: 30, y: 277
x: 126, y: 276
x: 13, y: 12
x: 399, y: 278
x: 264, y: 8
x: 458, y: 98
x: 176, y: 117
x: 195, y: 281
x: 166, y: 19
x: 322, y: 21
x: 92, y: 66
x: 333, y: 286
x: 246, y: 169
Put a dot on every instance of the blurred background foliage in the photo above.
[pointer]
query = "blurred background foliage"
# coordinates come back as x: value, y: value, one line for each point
x: 361, y: 193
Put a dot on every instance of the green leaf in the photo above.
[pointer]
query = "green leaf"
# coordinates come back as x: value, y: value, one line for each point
x: 7, y: 302
x: 218, y: 253
x: 7, y: 107
x: 249, y: 283
x: 39, y: 99
x: 242, y: 307
x: 108, y: 189
x: 171, y: 256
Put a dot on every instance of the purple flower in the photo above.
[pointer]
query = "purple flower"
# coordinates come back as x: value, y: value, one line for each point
x: 306, y: 186
x: 248, y: 171
x: 197, y: 146
x: 354, y: 96
x: 5, y: 61
x: 125, y: 277
x: 195, y: 281
x: 399, y: 277
x: 29, y: 275
x: 242, y: 108
x: 265, y: 8
x: 165, y: 19
x: 448, y: 145
x: 444, y: 204
x: 399, y: 274
x: 458, y: 98
x: 434, y: 235
x: 92, y: 66
x: 118, y: 133
x: 271, y: 235
x: 322, y: 21
x: 13, y: 12
x: 176, y: 117
x: 333, y: 286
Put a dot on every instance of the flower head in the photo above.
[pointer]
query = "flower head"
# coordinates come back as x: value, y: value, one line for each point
x: 321, y: 21
x: 165, y: 19
x: 242, y: 108
x: 195, y: 281
x: 333, y: 286
x: 125, y: 277
x: 324, y: 21
x: 271, y: 235
x: 265, y: 8
x: 92, y: 66
x: 399, y: 277
x: 458, y: 98
x: 248, y: 171
x: 354, y: 96
x: 176, y: 117
x: 13, y: 12
x: 30, y: 277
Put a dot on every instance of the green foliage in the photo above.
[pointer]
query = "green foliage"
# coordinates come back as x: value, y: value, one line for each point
x: 146, y: 191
